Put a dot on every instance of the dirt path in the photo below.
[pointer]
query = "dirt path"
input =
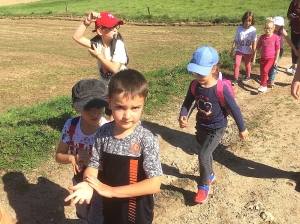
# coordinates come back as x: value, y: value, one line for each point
x: 13, y: 2
x: 254, y: 176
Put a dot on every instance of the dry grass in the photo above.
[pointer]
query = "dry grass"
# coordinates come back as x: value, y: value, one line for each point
x: 40, y: 60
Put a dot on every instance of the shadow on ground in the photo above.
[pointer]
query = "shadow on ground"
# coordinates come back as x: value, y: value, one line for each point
x: 36, y: 203
x: 239, y: 165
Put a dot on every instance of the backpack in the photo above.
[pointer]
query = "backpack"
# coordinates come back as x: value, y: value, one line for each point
x: 72, y: 127
x: 96, y: 39
x: 219, y: 91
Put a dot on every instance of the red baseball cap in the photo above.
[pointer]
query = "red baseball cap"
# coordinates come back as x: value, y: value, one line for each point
x: 108, y: 20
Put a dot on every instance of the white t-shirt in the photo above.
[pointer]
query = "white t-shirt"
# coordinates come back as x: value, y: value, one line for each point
x: 79, y: 141
x: 119, y: 56
x: 244, y: 39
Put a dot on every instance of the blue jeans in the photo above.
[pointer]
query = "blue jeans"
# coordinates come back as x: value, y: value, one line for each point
x: 208, y: 140
x: 95, y: 215
x: 274, y: 69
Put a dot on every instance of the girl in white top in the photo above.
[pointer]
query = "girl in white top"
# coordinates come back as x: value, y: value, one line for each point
x: 281, y: 32
x: 245, y: 44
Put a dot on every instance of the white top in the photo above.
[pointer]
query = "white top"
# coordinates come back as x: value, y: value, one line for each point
x: 80, y: 141
x: 245, y: 38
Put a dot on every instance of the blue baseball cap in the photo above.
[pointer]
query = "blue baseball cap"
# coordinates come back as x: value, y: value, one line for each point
x: 204, y: 59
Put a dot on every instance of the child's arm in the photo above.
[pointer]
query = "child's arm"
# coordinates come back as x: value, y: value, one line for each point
x: 79, y: 32
x: 62, y: 156
x: 290, y: 43
x: 236, y: 113
x: 183, y: 121
x: 232, y: 48
x: 295, y: 88
x: 254, y: 56
x: 82, y: 191
x: 147, y: 186
x: 110, y: 65
x: 276, y: 57
x: 254, y: 47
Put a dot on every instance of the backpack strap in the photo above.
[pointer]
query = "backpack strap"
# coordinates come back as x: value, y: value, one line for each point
x: 220, y: 94
x: 113, y: 46
x: 72, y: 127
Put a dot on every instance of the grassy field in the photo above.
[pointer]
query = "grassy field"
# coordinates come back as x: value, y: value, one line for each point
x: 229, y: 11
x: 42, y: 62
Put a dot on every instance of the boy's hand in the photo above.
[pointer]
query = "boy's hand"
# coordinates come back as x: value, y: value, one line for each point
x: 183, y: 121
x: 83, y: 156
x: 93, y: 16
x: 295, y: 89
x: 82, y: 192
x: 94, y: 51
x: 244, y: 134
x: 74, y: 164
x: 101, y: 188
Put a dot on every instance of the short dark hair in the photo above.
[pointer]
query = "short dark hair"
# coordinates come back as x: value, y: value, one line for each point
x: 247, y: 15
x: 130, y: 82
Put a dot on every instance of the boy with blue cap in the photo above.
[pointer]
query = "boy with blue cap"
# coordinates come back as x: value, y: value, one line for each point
x: 211, y: 116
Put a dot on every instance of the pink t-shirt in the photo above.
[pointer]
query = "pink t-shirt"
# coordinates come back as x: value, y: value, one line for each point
x: 269, y: 45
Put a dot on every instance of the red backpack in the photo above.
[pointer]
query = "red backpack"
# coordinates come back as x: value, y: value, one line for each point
x: 219, y: 91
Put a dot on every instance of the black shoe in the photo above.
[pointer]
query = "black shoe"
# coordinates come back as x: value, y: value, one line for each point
x: 234, y: 82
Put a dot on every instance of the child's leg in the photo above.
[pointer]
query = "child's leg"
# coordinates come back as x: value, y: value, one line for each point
x: 209, y: 140
x: 95, y: 215
x: 247, y: 59
x: 265, y: 65
x: 274, y: 69
x: 237, y: 63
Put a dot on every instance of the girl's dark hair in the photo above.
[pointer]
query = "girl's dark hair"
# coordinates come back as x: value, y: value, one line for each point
x: 130, y: 82
x: 247, y: 15
x: 218, y: 69
x: 280, y: 31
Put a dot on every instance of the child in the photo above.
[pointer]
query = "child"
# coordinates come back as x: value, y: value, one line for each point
x: 78, y: 134
x: 245, y: 43
x: 270, y: 44
x: 293, y: 14
x: 280, y: 31
x: 106, y: 27
x: 211, y: 117
x: 128, y: 154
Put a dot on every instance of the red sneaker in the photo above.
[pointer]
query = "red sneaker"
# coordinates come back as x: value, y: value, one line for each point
x: 202, y: 194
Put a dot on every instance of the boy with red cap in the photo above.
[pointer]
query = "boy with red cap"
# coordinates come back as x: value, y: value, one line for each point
x: 111, y: 57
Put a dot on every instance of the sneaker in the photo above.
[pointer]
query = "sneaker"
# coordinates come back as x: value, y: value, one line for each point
x: 271, y: 83
x: 262, y: 89
x: 246, y: 79
x: 202, y: 194
x: 211, y: 179
x: 234, y: 82
x: 291, y: 69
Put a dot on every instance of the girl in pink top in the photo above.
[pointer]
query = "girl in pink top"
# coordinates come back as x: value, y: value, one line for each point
x: 270, y: 47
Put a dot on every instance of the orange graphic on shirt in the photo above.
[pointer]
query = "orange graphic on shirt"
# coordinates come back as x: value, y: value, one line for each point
x: 135, y: 147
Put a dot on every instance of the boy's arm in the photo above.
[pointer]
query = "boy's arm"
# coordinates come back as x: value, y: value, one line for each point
x: 117, y: 60
x: 290, y: 43
x: 78, y: 36
x: 147, y: 186
x: 79, y: 32
x: 62, y: 156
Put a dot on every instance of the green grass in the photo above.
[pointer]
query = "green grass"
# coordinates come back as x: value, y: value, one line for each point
x: 29, y: 135
x: 229, y: 11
